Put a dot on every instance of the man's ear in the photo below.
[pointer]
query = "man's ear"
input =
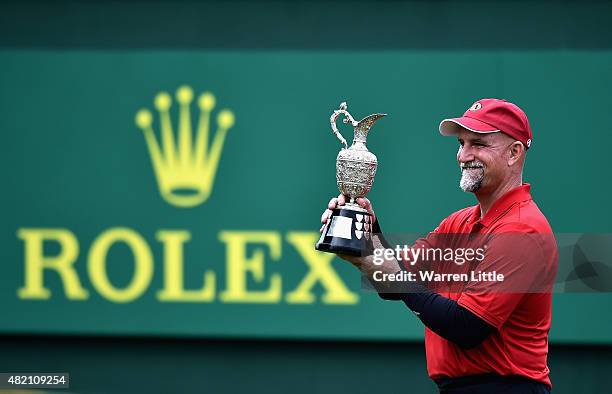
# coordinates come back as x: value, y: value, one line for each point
x: 517, y: 152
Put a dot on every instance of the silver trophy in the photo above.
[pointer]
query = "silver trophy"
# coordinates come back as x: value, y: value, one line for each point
x: 349, y: 228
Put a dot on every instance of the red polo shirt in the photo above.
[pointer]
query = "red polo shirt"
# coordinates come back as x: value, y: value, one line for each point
x: 519, y: 346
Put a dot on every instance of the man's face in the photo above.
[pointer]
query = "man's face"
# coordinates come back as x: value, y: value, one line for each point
x: 483, y: 160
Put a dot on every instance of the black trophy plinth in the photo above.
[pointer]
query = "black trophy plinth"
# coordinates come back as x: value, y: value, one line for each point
x: 348, y: 231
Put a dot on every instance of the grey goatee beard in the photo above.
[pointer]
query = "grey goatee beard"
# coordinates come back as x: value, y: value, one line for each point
x: 472, y: 176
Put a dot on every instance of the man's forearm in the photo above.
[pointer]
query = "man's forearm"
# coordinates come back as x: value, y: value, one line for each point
x: 440, y: 314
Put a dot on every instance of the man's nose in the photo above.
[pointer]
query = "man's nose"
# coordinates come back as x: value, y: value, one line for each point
x: 464, y: 155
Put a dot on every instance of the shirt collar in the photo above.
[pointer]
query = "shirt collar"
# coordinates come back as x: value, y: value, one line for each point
x: 504, y: 203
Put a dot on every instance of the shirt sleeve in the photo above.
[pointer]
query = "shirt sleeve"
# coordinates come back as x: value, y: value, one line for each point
x: 519, y: 256
x: 447, y: 318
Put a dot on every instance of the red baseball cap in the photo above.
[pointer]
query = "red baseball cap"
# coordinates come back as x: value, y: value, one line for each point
x: 491, y: 116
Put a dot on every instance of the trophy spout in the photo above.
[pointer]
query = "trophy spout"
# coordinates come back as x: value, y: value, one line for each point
x: 364, y: 125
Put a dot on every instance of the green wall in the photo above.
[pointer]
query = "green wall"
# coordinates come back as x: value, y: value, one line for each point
x: 128, y: 365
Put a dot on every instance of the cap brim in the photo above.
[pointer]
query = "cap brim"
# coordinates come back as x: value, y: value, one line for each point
x: 452, y: 126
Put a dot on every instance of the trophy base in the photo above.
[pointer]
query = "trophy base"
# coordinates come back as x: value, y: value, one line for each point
x: 348, y: 231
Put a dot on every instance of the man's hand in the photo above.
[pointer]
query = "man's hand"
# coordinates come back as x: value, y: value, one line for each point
x: 340, y: 201
x: 364, y: 263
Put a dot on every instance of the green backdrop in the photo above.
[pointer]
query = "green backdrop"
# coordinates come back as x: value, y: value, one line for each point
x: 81, y: 166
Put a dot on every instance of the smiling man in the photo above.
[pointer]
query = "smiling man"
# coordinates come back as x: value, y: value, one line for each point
x: 482, y: 337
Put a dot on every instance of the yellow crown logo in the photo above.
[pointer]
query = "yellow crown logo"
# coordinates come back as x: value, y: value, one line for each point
x: 185, y: 169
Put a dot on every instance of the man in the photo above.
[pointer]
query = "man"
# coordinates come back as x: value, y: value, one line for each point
x: 482, y: 338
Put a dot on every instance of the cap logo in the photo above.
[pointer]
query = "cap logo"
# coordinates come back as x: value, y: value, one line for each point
x: 528, y: 143
x: 476, y: 106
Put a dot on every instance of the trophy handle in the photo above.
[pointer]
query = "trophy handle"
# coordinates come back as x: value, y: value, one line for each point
x: 347, y: 119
